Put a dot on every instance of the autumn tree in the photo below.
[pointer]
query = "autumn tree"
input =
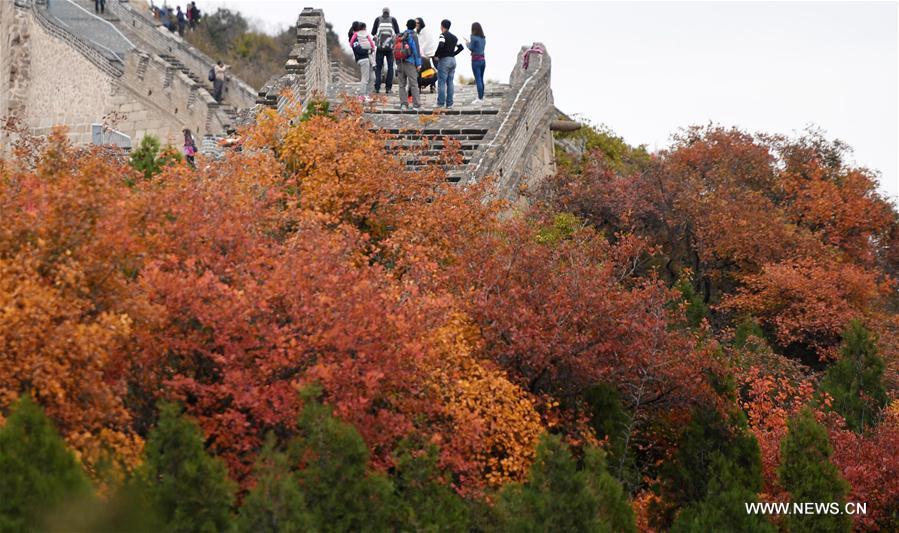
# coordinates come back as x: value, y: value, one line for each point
x: 855, y: 381
x: 806, y: 303
x: 65, y: 261
x: 186, y: 488
x: 807, y: 473
x: 495, y: 423
x: 558, y: 496
x: 39, y: 474
x: 839, y: 203
x: 868, y: 462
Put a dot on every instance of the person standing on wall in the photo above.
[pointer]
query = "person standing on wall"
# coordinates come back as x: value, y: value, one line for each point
x: 385, y: 29
x: 448, y: 48
x: 363, y: 51
x: 407, y: 53
x: 218, y: 82
x: 194, y: 15
x: 476, y: 45
x: 428, y: 43
x: 182, y: 21
x: 100, y: 6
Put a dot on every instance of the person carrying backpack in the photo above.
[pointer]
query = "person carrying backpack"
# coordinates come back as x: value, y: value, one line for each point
x: 448, y: 48
x: 363, y: 50
x: 407, y: 53
x: 385, y: 29
x: 218, y: 76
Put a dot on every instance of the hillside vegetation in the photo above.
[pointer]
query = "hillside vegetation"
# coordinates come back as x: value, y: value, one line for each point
x: 306, y: 335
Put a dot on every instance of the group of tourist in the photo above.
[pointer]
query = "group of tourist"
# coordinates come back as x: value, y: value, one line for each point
x: 176, y: 19
x: 413, y: 55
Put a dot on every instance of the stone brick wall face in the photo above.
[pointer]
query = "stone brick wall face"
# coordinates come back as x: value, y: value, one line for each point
x: 64, y: 88
x: 15, y: 60
x: 50, y: 78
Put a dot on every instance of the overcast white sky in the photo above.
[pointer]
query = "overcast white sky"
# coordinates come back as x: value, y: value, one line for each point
x: 646, y: 69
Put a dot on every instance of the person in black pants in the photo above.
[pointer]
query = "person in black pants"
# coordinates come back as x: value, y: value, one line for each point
x: 100, y: 6
x: 384, y: 32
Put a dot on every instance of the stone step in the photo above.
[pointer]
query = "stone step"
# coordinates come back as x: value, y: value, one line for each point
x: 421, y: 163
x: 416, y: 139
x: 428, y: 149
x: 425, y: 111
x: 437, y: 131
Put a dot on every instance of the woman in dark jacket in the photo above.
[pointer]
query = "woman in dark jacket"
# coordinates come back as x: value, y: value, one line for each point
x: 353, y: 29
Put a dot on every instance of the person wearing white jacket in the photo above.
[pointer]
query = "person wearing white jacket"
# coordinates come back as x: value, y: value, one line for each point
x: 428, y: 42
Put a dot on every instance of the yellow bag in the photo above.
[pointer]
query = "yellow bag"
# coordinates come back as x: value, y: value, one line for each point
x: 428, y: 73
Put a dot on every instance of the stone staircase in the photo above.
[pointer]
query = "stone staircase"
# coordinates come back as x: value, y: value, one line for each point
x: 178, y: 65
x: 419, y: 137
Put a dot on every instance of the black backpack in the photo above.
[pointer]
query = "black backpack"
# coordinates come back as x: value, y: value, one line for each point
x: 212, y: 74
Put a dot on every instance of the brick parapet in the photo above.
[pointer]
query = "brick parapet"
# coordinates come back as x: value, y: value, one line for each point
x: 523, y: 130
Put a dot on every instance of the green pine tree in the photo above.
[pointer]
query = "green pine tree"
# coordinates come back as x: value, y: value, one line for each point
x: 723, y: 508
x: 696, y: 310
x: 340, y: 492
x: 38, y: 474
x: 560, y: 497
x: 685, y: 477
x: 184, y: 486
x: 855, y: 382
x: 276, y: 503
x: 609, y: 419
x: 809, y: 476
x: 430, y: 504
x: 150, y: 157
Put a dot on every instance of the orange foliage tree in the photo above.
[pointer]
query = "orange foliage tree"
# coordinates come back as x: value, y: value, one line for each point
x: 807, y: 303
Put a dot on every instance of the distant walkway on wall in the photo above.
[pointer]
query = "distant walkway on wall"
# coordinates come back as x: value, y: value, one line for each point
x: 95, y: 31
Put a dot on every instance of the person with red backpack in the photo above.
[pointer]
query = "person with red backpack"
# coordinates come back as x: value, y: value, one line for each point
x: 385, y: 29
x: 407, y: 53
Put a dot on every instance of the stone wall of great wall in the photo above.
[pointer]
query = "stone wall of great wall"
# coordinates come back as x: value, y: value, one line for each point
x: 52, y: 76
x: 49, y: 75
x: 521, y: 150
x: 508, y: 137
x: 308, y: 67
x: 150, y: 36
